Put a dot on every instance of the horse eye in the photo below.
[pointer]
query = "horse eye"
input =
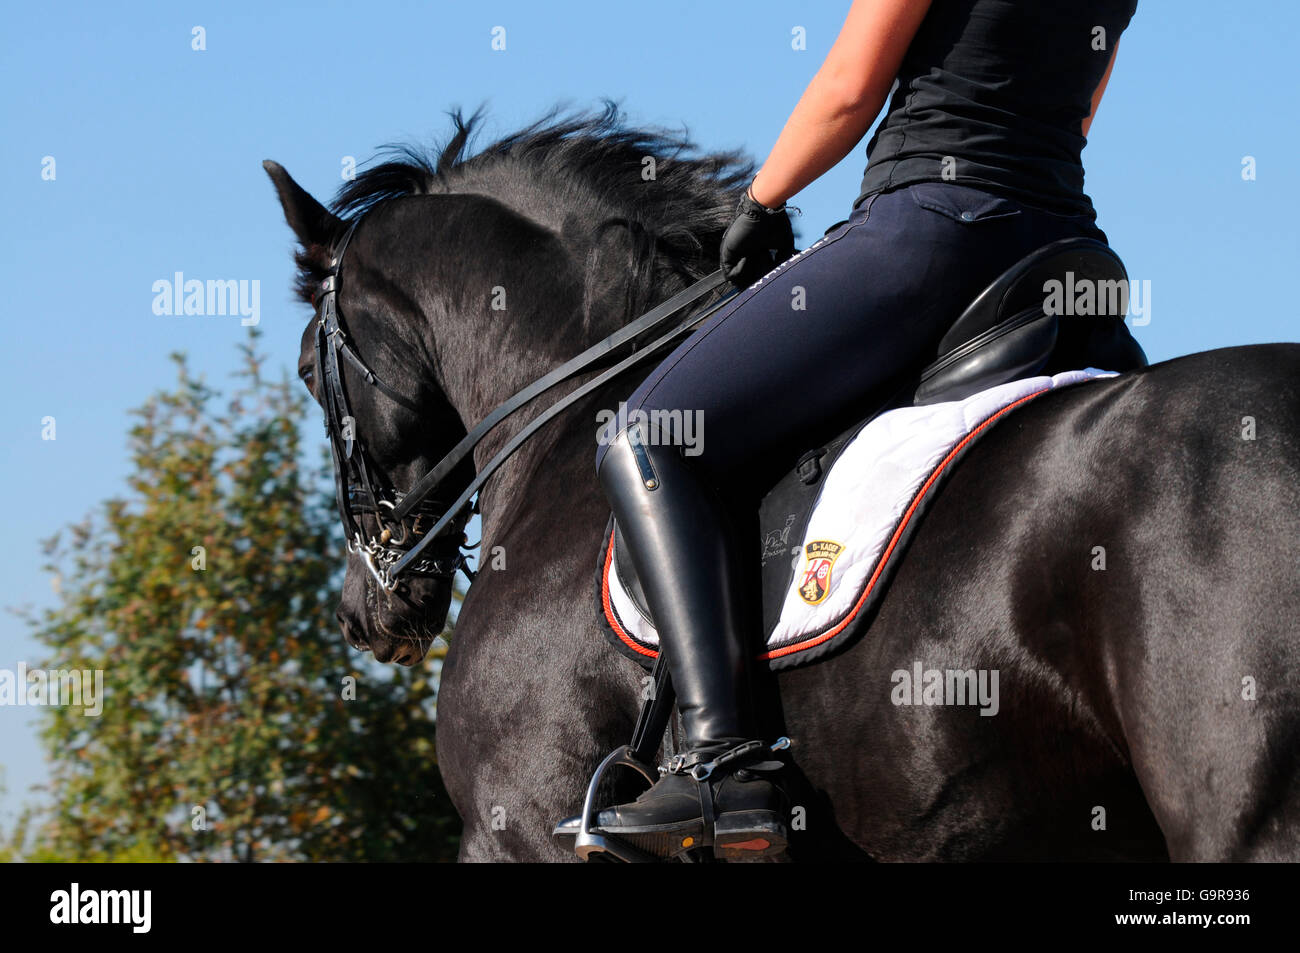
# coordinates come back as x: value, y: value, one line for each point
x: 306, y: 374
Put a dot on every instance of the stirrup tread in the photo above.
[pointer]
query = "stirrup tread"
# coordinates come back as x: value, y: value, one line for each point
x: 744, y: 835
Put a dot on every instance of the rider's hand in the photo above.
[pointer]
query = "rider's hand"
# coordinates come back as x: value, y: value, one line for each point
x: 758, y: 239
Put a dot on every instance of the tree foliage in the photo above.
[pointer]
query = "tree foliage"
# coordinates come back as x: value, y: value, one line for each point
x: 206, y: 598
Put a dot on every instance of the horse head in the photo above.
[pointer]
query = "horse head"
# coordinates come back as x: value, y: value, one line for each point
x: 365, y: 358
x: 442, y: 285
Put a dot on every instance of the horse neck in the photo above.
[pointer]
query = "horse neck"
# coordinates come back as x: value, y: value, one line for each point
x: 559, y: 455
x: 586, y: 294
x: 554, y: 470
x: 552, y: 458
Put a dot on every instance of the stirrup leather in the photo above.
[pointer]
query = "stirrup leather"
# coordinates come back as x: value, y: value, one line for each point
x: 741, y: 756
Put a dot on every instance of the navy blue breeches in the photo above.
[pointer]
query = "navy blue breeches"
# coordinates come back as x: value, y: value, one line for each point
x: 833, y: 332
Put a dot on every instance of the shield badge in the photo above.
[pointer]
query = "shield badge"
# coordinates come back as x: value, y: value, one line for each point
x: 820, y: 556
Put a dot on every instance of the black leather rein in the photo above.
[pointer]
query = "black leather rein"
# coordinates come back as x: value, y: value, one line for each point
x: 357, y: 488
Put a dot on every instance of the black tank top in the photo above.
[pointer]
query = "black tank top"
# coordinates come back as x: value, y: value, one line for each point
x: 993, y: 93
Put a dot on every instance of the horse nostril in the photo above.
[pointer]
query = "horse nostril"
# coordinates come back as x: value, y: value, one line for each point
x: 346, y: 628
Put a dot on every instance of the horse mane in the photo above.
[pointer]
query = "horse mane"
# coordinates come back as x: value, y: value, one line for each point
x: 675, y: 220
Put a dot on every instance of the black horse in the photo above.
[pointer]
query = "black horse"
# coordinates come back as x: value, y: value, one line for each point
x: 1149, y: 709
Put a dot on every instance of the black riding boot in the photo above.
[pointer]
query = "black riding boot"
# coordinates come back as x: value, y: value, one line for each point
x: 720, y: 789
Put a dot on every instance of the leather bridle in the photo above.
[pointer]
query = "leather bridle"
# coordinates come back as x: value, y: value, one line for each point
x: 357, y: 488
x: 398, y: 548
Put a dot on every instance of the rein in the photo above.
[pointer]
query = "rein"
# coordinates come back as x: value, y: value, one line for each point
x: 387, y: 557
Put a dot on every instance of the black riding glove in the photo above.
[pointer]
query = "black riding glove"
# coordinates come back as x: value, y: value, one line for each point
x: 757, y: 240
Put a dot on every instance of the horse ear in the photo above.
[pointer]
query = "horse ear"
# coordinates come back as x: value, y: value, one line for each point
x: 310, y: 221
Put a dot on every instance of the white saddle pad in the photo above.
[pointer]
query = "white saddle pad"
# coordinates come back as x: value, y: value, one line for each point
x: 866, y: 500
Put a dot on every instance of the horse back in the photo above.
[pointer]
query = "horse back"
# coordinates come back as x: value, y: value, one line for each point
x: 1117, y: 565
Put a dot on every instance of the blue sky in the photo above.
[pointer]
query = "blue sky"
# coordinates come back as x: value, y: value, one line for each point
x: 157, y: 151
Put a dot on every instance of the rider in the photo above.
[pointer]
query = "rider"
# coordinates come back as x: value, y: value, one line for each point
x: 975, y: 165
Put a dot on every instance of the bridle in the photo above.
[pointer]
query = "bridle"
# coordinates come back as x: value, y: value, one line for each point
x: 398, y: 549
x: 388, y: 555
x: 357, y: 488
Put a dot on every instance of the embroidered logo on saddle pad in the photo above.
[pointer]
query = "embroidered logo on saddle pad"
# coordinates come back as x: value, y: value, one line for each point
x: 816, y: 583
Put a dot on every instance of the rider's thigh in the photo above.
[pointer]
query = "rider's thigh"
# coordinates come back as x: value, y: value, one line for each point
x: 838, y: 326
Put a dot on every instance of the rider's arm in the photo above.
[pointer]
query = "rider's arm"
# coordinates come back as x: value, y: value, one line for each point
x: 1101, y: 88
x: 843, y: 99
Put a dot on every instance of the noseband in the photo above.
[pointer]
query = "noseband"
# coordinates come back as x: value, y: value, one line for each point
x: 398, y: 549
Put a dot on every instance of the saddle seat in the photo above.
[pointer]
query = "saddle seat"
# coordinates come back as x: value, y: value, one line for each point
x: 1012, y: 330
x: 1008, y: 333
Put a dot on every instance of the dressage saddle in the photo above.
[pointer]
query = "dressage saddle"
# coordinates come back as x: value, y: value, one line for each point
x: 1007, y: 333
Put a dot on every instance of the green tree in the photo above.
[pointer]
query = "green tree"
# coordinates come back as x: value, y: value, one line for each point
x: 206, y: 599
